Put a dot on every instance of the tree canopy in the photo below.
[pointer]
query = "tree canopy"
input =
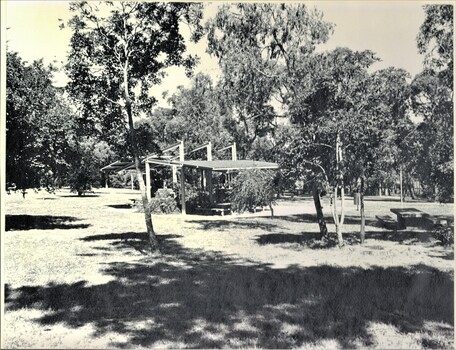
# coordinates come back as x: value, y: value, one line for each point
x: 255, y: 44
x: 435, y: 41
x: 38, y: 118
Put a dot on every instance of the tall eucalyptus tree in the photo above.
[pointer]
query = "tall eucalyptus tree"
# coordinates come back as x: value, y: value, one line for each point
x: 118, y: 51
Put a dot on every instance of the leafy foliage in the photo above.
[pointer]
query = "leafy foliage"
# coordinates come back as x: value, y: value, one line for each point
x: 431, y: 156
x: 251, y: 189
x: 338, y: 96
x: 194, y: 197
x: 163, y: 205
x: 164, y: 202
x: 255, y: 44
x: 118, y: 51
x: 432, y: 98
x: 435, y: 41
x: 88, y: 156
x: 196, y: 116
x: 38, y: 121
x: 109, y: 37
x: 444, y: 234
x: 116, y: 180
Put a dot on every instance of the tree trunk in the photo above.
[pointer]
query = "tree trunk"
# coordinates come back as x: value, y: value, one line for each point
x: 319, y: 210
x: 363, y: 217
x: 339, y: 221
x: 272, y: 210
x: 410, y: 188
x: 340, y: 239
x: 153, y: 241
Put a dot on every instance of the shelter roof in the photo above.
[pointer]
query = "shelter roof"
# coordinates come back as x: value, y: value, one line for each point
x: 214, y: 165
x: 218, y: 165
x: 226, y: 165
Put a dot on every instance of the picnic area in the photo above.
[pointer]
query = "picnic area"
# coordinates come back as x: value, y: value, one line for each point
x: 230, y: 175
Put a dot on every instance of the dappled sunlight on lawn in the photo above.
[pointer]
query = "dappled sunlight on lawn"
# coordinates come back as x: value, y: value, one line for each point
x: 203, y: 299
x: 231, y: 282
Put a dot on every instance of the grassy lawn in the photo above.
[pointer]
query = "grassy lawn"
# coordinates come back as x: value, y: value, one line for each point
x: 77, y: 275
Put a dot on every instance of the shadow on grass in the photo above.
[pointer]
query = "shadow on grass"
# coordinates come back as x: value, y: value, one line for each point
x: 449, y: 255
x: 307, y: 239
x: 244, y: 224
x: 41, y: 222
x: 268, y: 223
x: 311, y: 218
x: 403, y: 237
x: 124, y: 236
x: 120, y: 206
x: 207, y: 300
x: 135, y: 240
x: 76, y: 196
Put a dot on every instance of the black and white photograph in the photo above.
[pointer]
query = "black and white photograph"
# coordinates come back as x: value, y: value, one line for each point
x: 227, y: 175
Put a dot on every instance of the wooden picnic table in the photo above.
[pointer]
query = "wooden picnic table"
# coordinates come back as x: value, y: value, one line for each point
x: 408, y: 215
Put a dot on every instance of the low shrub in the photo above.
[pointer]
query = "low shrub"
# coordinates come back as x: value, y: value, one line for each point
x: 194, y: 198
x: 163, y: 205
x: 165, y: 193
x: 116, y: 181
x: 164, y: 202
x: 444, y: 234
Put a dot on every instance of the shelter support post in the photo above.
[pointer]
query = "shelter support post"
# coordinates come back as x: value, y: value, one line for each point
x: 234, y: 151
x: 181, y: 158
x: 182, y: 188
x: 174, y: 169
x: 400, y: 180
x: 209, y: 151
x: 209, y: 158
x: 208, y: 177
x: 203, y: 179
x: 181, y: 151
x: 148, y: 180
x: 132, y: 177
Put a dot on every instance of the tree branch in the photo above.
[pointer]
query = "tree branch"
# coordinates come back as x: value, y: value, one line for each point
x: 319, y: 166
x: 112, y: 101
x: 265, y: 74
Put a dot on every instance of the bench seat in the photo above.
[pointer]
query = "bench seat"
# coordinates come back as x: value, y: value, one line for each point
x: 442, y: 220
x: 387, y: 221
